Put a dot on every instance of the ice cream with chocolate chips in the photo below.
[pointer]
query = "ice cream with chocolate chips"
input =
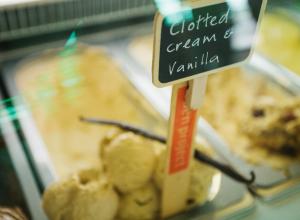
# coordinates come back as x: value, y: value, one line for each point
x: 275, y: 126
x: 231, y: 97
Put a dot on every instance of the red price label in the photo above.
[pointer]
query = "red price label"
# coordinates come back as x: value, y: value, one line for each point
x: 183, y: 133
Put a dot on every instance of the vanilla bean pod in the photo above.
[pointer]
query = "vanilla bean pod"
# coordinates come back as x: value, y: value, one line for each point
x: 198, y: 155
x: 125, y: 127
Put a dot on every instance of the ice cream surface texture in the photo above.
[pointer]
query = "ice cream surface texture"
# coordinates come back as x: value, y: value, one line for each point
x: 143, y: 203
x: 60, y: 86
x: 231, y: 98
x: 129, y: 161
x: 84, y: 196
x: 201, y: 174
x: 201, y: 177
x: 280, y: 39
x: 126, y: 188
x: 275, y: 126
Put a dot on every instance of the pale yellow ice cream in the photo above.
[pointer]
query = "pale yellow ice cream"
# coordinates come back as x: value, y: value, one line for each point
x: 140, y: 204
x: 275, y: 126
x: 201, y: 174
x: 279, y: 39
x: 201, y: 177
x: 129, y: 186
x: 58, y: 197
x: 62, y: 85
x: 94, y: 203
x: 230, y: 99
x: 201, y: 183
x: 86, y: 195
x: 129, y: 161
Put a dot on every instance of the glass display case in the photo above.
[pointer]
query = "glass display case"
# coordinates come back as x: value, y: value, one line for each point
x: 66, y: 65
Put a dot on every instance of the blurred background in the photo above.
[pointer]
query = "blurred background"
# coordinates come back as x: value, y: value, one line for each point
x: 63, y: 59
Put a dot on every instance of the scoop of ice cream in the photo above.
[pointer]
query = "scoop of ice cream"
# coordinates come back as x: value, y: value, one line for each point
x: 11, y: 214
x: 107, y: 139
x: 200, y: 183
x: 159, y: 171
x: 140, y: 204
x: 201, y: 177
x: 275, y: 126
x: 129, y: 161
x: 86, y: 195
x: 58, y: 196
x: 95, y: 200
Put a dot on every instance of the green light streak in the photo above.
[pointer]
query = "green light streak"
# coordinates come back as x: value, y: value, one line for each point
x: 174, y: 11
x: 14, y: 107
x: 9, y: 112
x: 71, y: 82
x: 72, y: 40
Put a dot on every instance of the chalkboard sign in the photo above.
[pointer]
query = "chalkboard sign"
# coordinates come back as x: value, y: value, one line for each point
x: 215, y: 36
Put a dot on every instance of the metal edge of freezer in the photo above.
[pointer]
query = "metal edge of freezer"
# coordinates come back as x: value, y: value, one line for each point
x: 21, y: 165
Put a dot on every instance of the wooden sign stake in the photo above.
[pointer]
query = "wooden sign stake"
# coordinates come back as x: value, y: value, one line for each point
x: 182, y: 127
